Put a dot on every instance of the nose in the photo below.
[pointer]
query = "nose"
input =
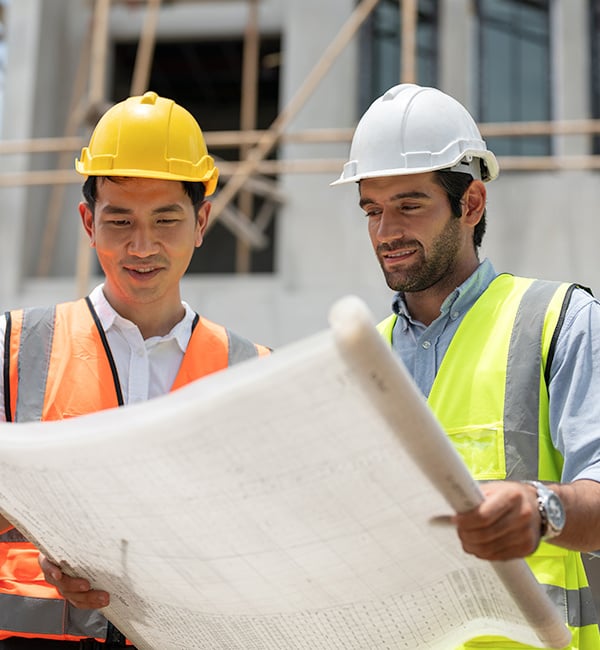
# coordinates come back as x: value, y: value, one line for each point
x: 388, y: 226
x: 142, y: 243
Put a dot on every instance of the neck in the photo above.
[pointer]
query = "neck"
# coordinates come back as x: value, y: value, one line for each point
x: 424, y: 306
x: 157, y: 324
x: 153, y: 318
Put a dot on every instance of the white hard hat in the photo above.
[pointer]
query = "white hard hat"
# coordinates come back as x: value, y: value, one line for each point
x: 410, y: 130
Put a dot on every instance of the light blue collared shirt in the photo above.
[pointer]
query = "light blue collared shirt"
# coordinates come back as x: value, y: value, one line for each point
x: 574, y: 376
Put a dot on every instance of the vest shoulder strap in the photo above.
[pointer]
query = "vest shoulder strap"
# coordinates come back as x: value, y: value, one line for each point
x: 211, y: 348
x: 51, y: 351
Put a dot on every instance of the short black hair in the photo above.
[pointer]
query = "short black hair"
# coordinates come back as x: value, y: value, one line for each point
x: 195, y: 190
x: 456, y: 184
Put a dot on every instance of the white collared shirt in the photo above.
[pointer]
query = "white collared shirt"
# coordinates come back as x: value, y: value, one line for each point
x: 146, y: 368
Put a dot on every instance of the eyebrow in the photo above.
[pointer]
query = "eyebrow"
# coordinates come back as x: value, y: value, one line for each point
x: 171, y: 207
x: 396, y: 197
x: 115, y: 209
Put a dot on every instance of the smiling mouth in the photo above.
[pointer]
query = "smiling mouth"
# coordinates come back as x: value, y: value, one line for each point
x: 142, y: 271
x: 398, y: 256
x: 400, y: 253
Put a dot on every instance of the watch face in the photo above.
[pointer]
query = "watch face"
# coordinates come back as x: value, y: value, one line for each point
x: 555, y: 512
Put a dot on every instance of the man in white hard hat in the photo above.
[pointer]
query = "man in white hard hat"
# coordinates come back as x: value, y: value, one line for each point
x: 147, y: 175
x: 510, y: 366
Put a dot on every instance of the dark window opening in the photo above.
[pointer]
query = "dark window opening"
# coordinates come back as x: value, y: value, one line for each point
x: 381, y: 52
x: 514, y: 71
x: 206, y: 78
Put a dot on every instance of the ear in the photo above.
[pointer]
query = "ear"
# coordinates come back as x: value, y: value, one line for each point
x: 473, y: 203
x: 202, y: 222
x: 87, y: 219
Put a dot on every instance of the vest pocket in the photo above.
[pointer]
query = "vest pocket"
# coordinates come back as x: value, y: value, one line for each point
x: 482, y: 450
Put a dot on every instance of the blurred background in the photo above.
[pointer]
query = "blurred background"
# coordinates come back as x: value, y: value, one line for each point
x: 277, y: 86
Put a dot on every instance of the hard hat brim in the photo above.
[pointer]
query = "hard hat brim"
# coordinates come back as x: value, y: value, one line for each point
x: 492, y: 169
x: 210, y: 181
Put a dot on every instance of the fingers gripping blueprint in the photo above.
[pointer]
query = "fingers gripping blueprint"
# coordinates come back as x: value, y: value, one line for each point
x: 286, y: 503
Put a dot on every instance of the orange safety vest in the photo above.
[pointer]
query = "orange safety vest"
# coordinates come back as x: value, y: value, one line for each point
x: 49, y: 354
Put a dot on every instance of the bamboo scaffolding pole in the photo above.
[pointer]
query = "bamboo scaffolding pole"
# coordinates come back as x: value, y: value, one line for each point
x: 145, y: 51
x: 99, y: 56
x: 248, y: 112
x: 41, y: 145
x: 95, y: 100
x: 243, y: 227
x: 57, y: 194
x: 409, y: 14
x: 270, y: 138
x: 216, y: 139
x: 314, y: 166
x: 265, y: 215
x: 507, y: 163
x: 558, y: 127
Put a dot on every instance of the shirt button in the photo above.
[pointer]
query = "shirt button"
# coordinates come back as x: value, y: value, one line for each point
x: 426, y: 345
x: 454, y: 315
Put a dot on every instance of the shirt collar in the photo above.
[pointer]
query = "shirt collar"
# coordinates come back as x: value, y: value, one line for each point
x: 461, y: 299
x: 111, y: 319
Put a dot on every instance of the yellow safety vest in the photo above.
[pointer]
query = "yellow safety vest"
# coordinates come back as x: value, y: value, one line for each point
x: 59, y: 365
x: 490, y: 395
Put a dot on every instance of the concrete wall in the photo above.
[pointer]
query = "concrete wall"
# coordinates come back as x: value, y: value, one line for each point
x: 23, y: 39
x: 545, y: 225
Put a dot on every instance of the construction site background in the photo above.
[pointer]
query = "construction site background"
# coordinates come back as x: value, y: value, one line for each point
x: 285, y: 245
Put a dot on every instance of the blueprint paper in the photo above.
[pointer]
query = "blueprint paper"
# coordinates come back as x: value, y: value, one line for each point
x: 284, y: 504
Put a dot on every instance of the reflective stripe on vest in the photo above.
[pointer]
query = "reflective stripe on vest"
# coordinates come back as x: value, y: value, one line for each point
x: 36, y: 339
x: 12, y: 535
x: 52, y: 619
x: 49, y: 353
x: 239, y: 349
x: 581, y: 607
x: 490, y: 395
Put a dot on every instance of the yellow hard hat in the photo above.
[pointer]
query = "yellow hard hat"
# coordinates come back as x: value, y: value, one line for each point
x: 149, y: 137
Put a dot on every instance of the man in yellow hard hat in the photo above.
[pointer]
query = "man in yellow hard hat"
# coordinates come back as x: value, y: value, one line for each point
x: 510, y: 366
x: 133, y: 338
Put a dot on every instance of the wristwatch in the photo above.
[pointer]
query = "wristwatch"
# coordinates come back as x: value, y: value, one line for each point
x: 552, y: 511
